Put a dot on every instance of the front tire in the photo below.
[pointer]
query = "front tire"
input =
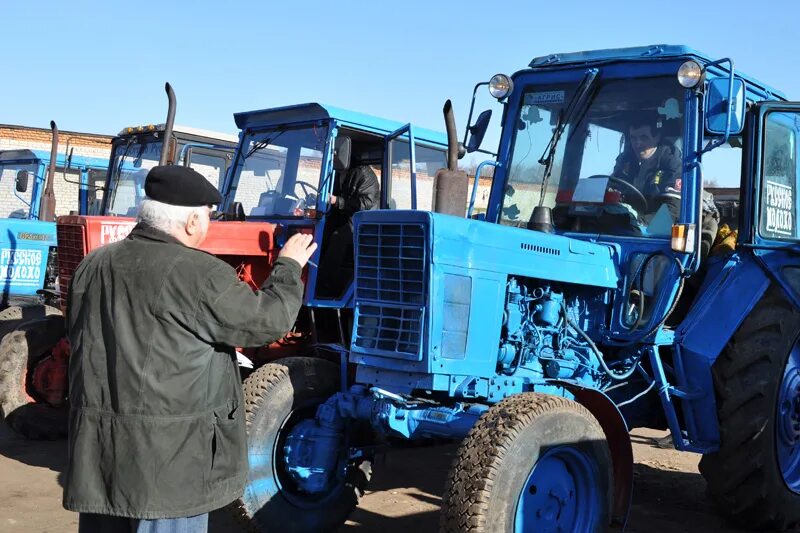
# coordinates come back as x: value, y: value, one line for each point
x: 533, y: 462
x: 754, y: 477
x: 277, y: 397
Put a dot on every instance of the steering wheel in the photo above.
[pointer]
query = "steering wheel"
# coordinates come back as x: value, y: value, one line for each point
x: 306, y: 187
x: 633, y: 196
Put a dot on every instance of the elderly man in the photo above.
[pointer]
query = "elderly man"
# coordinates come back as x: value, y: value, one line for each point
x: 156, y: 429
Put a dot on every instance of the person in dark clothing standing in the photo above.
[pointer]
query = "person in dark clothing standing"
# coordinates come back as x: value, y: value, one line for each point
x: 156, y: 427
x: 358, y: 190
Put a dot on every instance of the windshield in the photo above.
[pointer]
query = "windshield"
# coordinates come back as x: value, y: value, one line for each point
x: 280, y: 175
x: 131, y: 160
x: 16, y: 204
x: 616, y: 169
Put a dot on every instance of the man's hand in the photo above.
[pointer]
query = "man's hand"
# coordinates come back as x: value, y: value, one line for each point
x: 299, y: 247
x: 332, y: 201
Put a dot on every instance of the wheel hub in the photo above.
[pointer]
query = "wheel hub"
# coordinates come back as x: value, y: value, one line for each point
x: 560, y: 493
x: 787, y: 424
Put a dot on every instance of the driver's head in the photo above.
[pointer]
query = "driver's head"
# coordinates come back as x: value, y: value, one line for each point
x: 644, y: 137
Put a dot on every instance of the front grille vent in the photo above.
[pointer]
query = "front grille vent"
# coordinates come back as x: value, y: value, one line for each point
x: 71, y: 239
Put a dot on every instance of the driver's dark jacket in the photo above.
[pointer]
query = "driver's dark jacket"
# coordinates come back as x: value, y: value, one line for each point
x: 652, y: 176
x: 156, y: 426
x: 357, y: 190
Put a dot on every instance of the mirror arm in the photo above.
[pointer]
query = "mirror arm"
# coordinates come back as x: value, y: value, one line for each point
x: 471, y: 109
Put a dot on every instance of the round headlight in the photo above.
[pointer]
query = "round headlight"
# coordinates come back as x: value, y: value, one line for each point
x: 689, y: 74
x: 500, y: 86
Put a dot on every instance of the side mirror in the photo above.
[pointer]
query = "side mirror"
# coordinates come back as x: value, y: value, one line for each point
x: 718, y: 108
x: 22, y: 180
x: 478, y: 130
x: 341, y: 152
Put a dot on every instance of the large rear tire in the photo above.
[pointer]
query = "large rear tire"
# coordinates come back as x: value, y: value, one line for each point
x: 533, y: 462
x: 21, y: 352
x: 754, y: 478
x: 277, y: 397
x: 13, y: 317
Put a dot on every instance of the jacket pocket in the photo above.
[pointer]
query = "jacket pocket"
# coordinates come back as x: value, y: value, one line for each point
x: 227, y: 445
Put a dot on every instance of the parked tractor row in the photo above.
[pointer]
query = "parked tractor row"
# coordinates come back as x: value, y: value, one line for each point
x: 580, y: 305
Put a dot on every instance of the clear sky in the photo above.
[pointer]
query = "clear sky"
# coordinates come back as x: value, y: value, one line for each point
x: 99, y: 66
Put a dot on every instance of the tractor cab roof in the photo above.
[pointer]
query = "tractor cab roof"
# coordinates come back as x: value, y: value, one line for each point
x: 26, y: 156
x: 18, y: 156
x: 640, y: 53
x: 311, y: 112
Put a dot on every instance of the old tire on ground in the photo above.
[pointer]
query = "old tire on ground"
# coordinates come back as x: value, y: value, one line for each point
x: 21, y: 350
x: 13, y: 317
x: 278, y: 396
x: 533, y: 462
x: 754, y: 478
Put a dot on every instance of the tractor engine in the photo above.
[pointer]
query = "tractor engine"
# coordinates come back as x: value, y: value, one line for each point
x: 545, y: 328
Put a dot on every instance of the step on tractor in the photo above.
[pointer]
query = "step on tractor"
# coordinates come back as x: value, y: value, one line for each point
x: 33, y: 349
x: 28, y: 259
x: 598, y: 293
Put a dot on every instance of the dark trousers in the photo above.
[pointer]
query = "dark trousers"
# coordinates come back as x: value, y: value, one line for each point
x: 98, y: 523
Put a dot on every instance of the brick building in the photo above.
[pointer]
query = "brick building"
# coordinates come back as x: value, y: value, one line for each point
x: 14, y: 137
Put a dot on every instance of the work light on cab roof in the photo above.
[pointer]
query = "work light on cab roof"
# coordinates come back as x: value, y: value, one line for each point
x: 140, y: 129
x: 500, y: 86
x: 689, y: 74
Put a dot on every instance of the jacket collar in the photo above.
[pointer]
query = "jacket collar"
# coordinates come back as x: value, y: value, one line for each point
x: 149, y: 233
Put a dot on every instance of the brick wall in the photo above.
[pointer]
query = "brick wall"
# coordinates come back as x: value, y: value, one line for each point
x: 22, y: 137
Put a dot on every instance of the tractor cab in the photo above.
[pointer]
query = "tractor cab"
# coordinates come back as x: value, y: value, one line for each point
x: 624, y: 147
x: 291, y: 160
x: 27, y: 238
x: 134, y: 151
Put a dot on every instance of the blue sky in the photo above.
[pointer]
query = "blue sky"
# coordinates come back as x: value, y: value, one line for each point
x: 99, y: 66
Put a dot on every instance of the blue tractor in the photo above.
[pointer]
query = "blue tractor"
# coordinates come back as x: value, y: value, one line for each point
x: 591, y: 298
x: 28, y: 233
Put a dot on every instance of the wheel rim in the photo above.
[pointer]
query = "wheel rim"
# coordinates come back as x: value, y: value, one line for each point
x: 268, y: 475
x: 562, y: 493
x: 788, y: 422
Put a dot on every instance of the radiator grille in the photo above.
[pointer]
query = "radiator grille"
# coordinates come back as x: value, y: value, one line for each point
x: 391, y: 289
x: 391, y: 264
x: 71, y: 249
x: 393, y: 331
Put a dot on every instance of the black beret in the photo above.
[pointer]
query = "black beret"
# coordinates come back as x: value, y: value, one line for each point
x: 179, y: 185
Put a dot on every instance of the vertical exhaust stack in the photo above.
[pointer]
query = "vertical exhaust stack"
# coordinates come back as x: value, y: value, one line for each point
x: 47, y: 208
x: 450, y: 184
x: 166, y: 158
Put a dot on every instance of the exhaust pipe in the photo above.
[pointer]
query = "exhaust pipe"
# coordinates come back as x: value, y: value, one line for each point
x: 166, y: 151
x: 450, y: 185
x: 47, y: 208
x: 452, y: 136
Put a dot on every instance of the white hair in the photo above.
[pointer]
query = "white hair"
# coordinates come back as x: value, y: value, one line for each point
x: 166, y: 217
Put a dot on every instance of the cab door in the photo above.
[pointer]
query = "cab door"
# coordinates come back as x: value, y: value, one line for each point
x: 399, y: 176
x: 771, y: 227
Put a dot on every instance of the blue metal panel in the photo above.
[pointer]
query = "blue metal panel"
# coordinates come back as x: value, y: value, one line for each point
x: 533, y: 254
x: 731, y: 289
x: 314, y: 111
x: 24, y: 247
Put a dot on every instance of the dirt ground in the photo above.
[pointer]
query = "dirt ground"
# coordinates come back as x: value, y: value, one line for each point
x: 404, y: 496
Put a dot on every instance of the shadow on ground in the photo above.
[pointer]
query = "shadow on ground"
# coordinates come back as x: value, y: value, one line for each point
x: 46, y: 454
